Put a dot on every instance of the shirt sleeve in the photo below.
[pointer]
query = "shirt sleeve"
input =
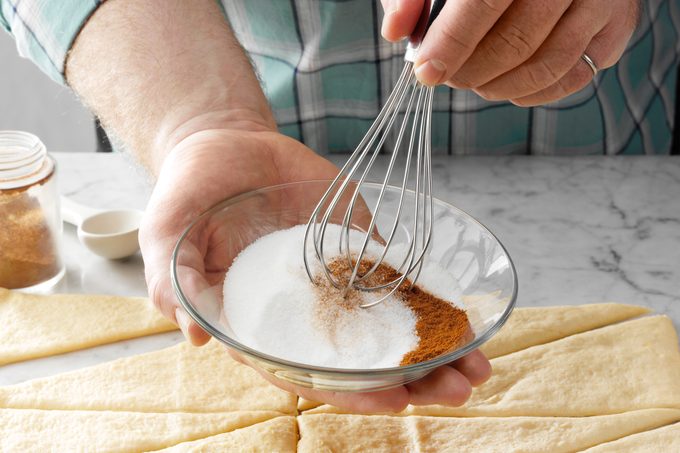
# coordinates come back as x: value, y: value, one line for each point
x: 44, y: 30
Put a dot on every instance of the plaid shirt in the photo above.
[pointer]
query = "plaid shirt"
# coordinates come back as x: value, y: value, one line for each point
x: 327, y: 72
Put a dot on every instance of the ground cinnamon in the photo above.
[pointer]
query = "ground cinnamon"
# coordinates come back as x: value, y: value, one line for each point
x: 440, y: 326
x: 28, y: 251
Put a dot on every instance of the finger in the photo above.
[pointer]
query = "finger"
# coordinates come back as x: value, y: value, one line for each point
x: 605, y: 50
x: 558, y: 54
x: 161, y: 294
x: 445, y: 385
x: 197, y: 291
x: 475, y: 367
x: 453, y: 36
x: 390, y: 401
x: 575, y: 80
x: 236, y: 356
x: 400, y: 18
x: 157, y: 256
x: 512, y: 40
x: 191, y: 330
x: 164, y: 298
x: 608, y: 46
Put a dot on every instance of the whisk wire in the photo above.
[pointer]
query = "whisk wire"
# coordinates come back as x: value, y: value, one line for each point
x: 371, y: 228
x: 420, y: 123
x: 397, y: 217
x: 414, y: 101
x: 427, y: 236
x: 354, y: 161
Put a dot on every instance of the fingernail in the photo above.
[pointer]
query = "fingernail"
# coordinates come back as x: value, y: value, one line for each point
x: 431, y: 72
x: 183, y: 322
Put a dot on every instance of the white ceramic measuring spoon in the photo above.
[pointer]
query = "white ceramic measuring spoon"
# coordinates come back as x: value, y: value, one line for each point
x: 111, y: 234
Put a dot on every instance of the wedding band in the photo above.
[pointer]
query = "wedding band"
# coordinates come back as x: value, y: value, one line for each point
x: 590, y: 63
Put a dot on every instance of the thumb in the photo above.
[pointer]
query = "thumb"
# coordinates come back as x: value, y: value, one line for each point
x: 164, y: 298
x: 400, y: 18
x: 157, y: 242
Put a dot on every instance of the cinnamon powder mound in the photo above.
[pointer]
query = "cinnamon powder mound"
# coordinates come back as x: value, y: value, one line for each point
x: 441, y: 327
x: 28, y: 250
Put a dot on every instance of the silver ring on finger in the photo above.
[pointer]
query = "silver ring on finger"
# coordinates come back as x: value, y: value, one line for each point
x: 589, y: 61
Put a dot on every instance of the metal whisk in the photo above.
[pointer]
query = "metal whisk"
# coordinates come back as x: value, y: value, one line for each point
x: 416, y: 125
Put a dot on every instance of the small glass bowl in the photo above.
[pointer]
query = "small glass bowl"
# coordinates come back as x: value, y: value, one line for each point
x: 460, y: 244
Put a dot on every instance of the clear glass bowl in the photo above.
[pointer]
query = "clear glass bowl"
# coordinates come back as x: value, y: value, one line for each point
x: 460, y: 244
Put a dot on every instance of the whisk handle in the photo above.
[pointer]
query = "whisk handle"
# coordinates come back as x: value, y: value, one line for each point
x: 431, y: 9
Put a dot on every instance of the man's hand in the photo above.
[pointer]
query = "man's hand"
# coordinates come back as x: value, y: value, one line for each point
x: 211, y: 165
x: 204, y: 168
x: 525, y: 51
x: 177, y: 91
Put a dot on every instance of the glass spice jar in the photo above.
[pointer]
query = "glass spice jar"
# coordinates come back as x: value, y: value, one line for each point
x: 30, y: 218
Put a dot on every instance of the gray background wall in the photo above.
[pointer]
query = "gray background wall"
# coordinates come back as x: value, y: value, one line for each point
x: 31, y: 101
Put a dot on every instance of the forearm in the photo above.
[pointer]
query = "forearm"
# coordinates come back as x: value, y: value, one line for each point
x: 158, y: 70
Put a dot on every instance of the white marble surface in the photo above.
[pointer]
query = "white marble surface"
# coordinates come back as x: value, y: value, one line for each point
x: 580, y: 230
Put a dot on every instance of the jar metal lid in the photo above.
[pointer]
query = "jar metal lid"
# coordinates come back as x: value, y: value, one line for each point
x: 23, y: 160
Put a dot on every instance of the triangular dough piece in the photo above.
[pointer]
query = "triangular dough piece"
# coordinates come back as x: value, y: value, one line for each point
x: 628, y: 366
x: 181, y: 378
x: 531, y: 326
x: 358, y: 433
x: 38, y: 326
x: 30, y: 430
x: 276, y: 435
x: 660, y: 440
x: 538, y: 325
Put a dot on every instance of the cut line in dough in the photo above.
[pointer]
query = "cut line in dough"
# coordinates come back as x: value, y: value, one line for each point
x: 31, y: 430
x: 532, y: 326
x: 182, y: 378
x: 276, y: 435
x: 659, y: 440
x: 359, y: 433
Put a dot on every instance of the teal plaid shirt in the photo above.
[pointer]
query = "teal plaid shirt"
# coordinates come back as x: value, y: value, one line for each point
x: 327, y: 72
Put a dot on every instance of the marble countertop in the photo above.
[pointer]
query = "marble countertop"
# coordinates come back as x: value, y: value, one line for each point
x: 579, y: 229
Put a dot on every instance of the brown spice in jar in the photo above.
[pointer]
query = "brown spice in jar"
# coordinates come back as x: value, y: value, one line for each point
x: 441, y: 327
x: 28, y: 254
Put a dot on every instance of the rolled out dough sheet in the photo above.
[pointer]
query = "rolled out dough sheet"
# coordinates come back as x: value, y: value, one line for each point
x: 358, y: 433
x: 276, y: 435
x: 37, y: 326
x: 181, y: 378
x: 659, y: 440
x: 30, y: 430
x: 624, y: 367
x: 531, y: 326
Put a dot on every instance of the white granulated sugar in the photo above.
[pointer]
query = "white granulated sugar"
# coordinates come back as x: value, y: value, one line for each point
x: 272, y: 306
x: 432, y: 278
